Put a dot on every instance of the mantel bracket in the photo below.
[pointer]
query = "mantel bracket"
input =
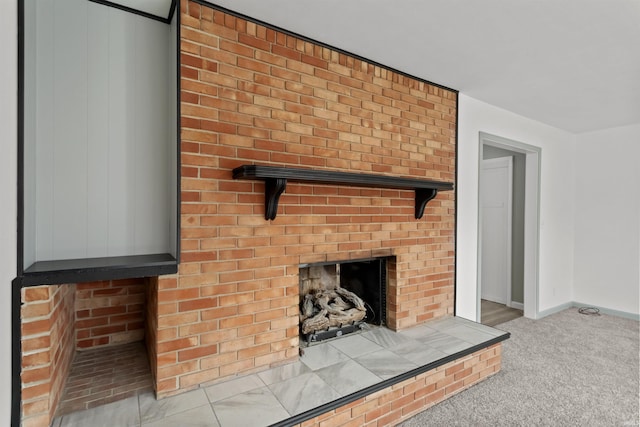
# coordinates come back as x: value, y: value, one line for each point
x: 423, y: 195
x: 274, y: 187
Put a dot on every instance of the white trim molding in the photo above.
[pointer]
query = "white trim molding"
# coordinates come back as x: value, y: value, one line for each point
x: 575, y: 304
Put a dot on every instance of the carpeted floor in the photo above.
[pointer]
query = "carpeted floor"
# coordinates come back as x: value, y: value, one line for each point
x: 567, y: 369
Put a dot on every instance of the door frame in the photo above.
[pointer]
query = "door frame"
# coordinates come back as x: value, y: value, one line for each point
x: 533, y: 156
x: 509, y: 166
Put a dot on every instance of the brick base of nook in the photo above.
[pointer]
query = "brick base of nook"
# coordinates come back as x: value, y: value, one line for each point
x: 58, y: 320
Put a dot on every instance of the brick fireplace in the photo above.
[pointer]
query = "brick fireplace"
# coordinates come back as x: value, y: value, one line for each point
x: 255, y: 95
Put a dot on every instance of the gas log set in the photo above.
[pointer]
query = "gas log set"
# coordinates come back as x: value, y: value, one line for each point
x: 327, y: 309
x: 323, y: 309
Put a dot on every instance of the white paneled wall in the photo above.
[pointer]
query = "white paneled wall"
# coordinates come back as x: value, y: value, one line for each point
x: 99, y: 138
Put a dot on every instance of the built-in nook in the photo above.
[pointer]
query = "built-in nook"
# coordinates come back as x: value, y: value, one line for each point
x: 98, y: 181
x: 83, y: 344
x: 99, y: 163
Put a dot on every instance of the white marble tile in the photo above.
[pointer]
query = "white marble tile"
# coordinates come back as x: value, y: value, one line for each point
x: 231, y: 388
x: 284, y: 372
x: 417, y: 332
x: 326, y: 371
x: 469, y: 334
x: 386, y: 337
x: 355, y: 345
x: 385, y: 364
x: 419, y: 353
x: 303, y: 393
x: 258, y: 407
x: 348, y: 377
x: 455, y: 327
x: 202, y: 416
x: 152, y: 409
x: 123, y: 413
x: 482, y: 328
x: 445, y: 323
x: 322, y: 355
x: 444, y: 342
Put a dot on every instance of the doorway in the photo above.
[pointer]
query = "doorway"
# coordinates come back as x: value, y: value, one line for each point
x: 508, y: 237
x: 496, y: 205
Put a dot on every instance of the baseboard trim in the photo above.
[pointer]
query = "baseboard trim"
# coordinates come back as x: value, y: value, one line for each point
x: 517, y: 305
x: 554, y: 310
x: 610, y: 311
x: 603, y: 310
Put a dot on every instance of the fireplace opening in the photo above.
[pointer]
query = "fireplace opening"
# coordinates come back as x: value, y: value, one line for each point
x: 342, y: 297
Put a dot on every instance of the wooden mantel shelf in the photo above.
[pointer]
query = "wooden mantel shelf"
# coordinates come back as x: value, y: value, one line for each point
x: 275, y: 179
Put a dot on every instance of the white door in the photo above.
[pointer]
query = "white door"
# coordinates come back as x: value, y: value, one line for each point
x: 495, y: 201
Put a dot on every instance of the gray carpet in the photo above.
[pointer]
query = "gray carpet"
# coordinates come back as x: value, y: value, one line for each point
x: 567, y: 369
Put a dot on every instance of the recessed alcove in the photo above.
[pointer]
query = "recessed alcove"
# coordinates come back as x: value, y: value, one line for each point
x: 98, y: 186
x: 99, y: 175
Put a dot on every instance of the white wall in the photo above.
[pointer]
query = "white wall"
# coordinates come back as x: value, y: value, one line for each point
x: 556, y: 201
x: 8, y: 174
x: 607, y: 227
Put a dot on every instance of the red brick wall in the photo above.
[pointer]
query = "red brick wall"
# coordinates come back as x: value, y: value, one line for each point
x: 251, y: 95
x: 47, y: 344
x: 110, y: 312
x: 58, y: 319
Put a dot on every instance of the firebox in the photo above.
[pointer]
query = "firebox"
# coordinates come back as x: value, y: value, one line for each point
x: 339, y: 298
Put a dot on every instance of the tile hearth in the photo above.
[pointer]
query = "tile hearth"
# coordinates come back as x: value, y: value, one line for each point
x: 326, y: 371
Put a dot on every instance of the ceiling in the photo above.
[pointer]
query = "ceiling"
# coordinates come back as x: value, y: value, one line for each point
x: 572, y: 64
